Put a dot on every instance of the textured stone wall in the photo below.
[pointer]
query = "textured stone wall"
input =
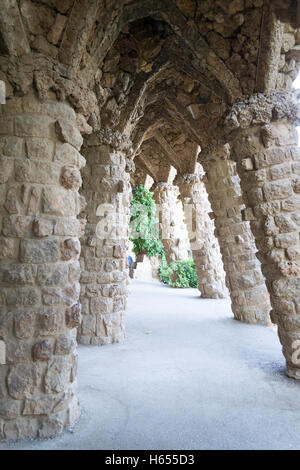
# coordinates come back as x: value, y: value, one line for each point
x: 204, y: 245
x: 264, y: 142
x: 173, y: 230
x: 249, y: 297
x: 39, y: 273
x: 104, y: 262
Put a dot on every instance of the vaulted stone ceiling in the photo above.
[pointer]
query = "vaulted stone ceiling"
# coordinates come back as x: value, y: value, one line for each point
x: 142, y: 66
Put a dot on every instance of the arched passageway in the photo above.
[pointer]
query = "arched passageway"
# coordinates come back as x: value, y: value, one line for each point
x: 89, y: 91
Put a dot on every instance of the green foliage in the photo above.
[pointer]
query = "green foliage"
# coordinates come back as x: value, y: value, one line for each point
x: 164, y: 272
x: 185, y: 274
x: 144, y: 232
x: 145, y: 236
x: 178, y: 274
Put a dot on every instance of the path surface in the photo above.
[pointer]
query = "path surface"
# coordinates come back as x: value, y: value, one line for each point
x: 187, y: 377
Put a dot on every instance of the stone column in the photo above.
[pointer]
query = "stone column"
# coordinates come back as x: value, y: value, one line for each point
x: 104, y: 262
x: 39, y: 271
x: 173, y: 230
x: 249, y: 296
x: 204, y: 245
x: 264, y: 143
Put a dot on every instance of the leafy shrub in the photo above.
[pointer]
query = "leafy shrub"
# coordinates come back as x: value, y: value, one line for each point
x: 144, y: 232
x: 164, y: 272
x: 178, y: 274
x: 185, y: 274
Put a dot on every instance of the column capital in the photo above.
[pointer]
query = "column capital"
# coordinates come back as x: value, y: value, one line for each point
x: 113, y: 138
x: 163, y: 186
x: 261, y: 109
x: 213, y: 153
x: 188, y: 178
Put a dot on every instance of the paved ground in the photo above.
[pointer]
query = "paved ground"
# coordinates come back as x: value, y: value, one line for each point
x: 188, y: 377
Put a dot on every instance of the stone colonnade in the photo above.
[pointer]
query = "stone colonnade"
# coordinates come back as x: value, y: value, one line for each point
x: 249, y: 297
x: 40, y: 271
x: 204, y: 246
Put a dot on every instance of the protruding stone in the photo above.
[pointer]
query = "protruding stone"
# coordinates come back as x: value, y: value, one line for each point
x: 83, y: 127
x: 69, y: 249
x: 57, y: 375
x: 65, y: 343
x: 68, y: 133
x: 42, y: 227
x: 71, y: 178
x: 73, y: 316
x: 42, y: 351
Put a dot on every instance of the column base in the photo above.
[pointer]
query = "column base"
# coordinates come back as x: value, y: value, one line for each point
x: 253, y: 316
x: 42, y: 427
x: 212, y: 292
x: 293, y: 373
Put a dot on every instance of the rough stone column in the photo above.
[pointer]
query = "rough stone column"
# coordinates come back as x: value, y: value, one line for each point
x: 39, y: 271
x: 204, y: 245
x: 172, y: 227
x: 249, y: 296
x: 104, y: 263
x: 264, y: 142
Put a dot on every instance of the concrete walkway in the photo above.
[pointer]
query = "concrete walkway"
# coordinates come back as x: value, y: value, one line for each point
x: 187, y: 377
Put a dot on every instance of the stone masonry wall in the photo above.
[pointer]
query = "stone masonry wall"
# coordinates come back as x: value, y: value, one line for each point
x: 104, y: 263
x: 39, y: 273
x: 173, y: 230
x: 249, y: 297
x: 204, y: 245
